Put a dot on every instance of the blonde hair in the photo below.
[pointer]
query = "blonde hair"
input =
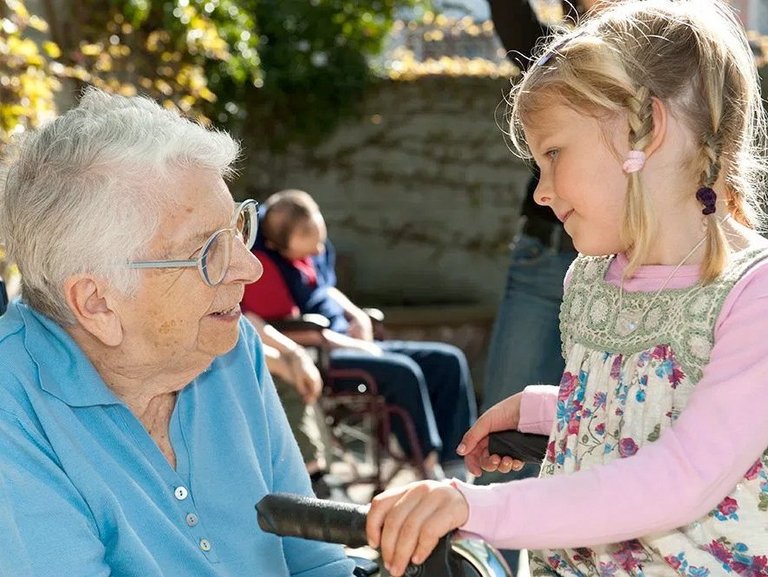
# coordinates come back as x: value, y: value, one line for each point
x: 694, y: 57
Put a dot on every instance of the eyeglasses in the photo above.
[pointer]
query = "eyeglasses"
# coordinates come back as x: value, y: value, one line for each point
x: 216, y: 254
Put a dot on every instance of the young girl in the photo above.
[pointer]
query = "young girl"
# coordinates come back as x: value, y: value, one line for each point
x: 647, y: 125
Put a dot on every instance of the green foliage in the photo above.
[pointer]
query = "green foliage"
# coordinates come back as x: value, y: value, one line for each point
x: 314, y: 63
x: 287, y: 68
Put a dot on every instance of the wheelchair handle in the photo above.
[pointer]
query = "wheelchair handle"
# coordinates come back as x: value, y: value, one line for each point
x: 526, y: 447
x: 290, y: 515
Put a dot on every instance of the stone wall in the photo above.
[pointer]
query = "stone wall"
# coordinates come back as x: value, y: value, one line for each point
x: 421, y: 194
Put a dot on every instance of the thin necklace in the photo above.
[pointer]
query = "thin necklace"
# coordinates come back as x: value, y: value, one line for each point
x: 628, y: 322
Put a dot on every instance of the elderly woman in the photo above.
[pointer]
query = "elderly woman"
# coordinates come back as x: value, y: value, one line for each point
x: 138, y: 423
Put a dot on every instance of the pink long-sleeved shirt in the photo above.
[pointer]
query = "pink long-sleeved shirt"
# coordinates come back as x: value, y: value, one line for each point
x: 694, y: 464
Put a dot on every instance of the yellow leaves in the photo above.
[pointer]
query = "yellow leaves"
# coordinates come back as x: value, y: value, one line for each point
x: 17, y: 7
x: 156, y: 40
x: 24, y: 49
x: 91, y: 49
x: 52, y: 49
x: 38, y: 24
x: 117, y: 52
x: 405, y: 66
x: 203, y: 36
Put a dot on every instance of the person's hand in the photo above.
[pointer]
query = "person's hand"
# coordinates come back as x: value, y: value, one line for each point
x: 339, y: 340
x: 304, y: 375
x: 474, y: 445
x: 360, y: 326
x: 407, y: 522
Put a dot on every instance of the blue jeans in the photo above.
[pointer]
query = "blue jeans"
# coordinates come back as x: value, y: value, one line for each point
x: 431, y: 381
x: 525, y: 343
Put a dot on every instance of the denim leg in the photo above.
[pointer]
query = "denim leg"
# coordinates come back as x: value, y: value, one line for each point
x: 401, y: 382
x: 525, y: 343
x: 450, y: 387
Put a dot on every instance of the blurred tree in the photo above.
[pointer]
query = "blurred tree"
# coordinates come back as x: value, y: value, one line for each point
x: 27, y: 80
x: 287, y: 68
x: 314, y: 61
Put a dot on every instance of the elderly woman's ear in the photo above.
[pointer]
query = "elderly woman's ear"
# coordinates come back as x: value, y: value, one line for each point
x: 92, y: 306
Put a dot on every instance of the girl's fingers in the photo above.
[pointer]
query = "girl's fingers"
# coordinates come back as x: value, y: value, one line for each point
x: 392, y: 545
x: 406, y: 523
x: 377, y: 512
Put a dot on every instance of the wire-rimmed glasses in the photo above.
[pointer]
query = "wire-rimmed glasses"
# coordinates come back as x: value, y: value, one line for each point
x: 216, y: 253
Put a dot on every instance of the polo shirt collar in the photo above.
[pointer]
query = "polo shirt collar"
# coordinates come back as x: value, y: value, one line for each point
x: 64, y: 370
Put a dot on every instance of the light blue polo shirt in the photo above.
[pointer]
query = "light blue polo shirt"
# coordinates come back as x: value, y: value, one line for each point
x: 85, y: 492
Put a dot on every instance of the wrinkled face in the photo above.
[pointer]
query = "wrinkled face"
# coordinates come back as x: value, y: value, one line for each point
x: 175, y: 318
x: 307, y: 239
x: 581, y: 176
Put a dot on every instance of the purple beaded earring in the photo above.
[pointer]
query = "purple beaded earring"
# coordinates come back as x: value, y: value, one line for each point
x: 706, y: 196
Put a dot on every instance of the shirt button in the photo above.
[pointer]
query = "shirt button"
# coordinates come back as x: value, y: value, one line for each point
x: 205, y: 545
x: 191, y: 519
x: 181, y: 493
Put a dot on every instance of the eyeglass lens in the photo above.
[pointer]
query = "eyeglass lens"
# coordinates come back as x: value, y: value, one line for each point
x: 247, y: 223
x: 216, y: 256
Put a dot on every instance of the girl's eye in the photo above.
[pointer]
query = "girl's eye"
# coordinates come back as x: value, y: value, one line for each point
x: 552, y: 154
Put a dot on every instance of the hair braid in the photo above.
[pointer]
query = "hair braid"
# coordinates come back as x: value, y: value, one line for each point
x: 712, y: 150
x: 716, y: 251
x: 638, y: 214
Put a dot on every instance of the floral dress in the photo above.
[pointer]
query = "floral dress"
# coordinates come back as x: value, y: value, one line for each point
x: 622, y: 387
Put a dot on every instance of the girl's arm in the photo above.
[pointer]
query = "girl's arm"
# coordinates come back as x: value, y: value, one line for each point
x: 693, y: 466
x: 537, y: 409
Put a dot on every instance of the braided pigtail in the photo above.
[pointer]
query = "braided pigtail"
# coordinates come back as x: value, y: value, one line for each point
x: 716, y: 252
x: 639, y: 221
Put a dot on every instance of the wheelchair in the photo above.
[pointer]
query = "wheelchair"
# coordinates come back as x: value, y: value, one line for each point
x: 456, y: 555
x: 357, y: 421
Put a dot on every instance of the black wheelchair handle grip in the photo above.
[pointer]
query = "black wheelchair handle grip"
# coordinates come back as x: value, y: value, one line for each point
x: 291, y: 515
x: 526, y: 447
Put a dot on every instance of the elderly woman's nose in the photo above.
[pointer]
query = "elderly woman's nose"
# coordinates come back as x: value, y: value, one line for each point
x: 244, y: 267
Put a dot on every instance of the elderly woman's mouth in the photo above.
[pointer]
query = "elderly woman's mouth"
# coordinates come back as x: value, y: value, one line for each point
x: 232, y: 313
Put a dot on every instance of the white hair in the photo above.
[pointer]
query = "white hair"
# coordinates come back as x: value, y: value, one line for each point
x: 83, y: 194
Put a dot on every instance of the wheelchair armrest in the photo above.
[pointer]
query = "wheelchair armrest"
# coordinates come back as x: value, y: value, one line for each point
x: 307, y: 322
x: 376, y: 315
x: 307, y: 331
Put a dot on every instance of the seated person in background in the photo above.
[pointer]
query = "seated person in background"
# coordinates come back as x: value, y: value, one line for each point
x: 431, y: 381
x: 139, y: 425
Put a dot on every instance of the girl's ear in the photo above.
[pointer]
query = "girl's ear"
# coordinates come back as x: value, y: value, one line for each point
x: 659, y: 112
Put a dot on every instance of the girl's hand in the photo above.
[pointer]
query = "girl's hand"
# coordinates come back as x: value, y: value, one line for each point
x: 474, y: 445
x: 407, y: 522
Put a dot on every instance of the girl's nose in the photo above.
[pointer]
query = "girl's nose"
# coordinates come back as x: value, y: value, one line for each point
x: 542, y: 195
